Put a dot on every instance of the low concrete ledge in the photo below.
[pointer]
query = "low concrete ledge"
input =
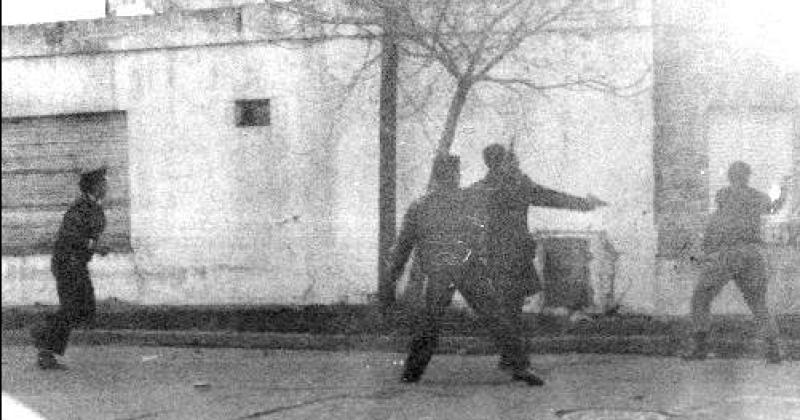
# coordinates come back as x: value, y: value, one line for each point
x: 634, y: 345
x: 336, y: 319
x: 341, y: 319
x: 360, y: 328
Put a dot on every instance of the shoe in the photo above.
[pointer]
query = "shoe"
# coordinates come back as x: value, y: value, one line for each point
x: 527, y: 376
x: 410, y: 377
x: 47, y: 361
x: 505, y: 366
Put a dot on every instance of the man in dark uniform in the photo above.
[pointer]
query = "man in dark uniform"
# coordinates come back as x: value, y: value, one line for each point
x: 447, y: 251
x: 75, y: 244
x: 507, y: 193
x: 732, y: 248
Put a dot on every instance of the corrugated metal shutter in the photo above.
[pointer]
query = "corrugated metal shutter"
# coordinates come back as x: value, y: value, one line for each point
x: 41, y: 160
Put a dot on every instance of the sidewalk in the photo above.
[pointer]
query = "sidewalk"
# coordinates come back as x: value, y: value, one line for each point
x: 134, y: 383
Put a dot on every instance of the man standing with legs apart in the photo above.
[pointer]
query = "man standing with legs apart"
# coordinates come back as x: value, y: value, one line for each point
x: 732, y: 247
x: 75, y: 244
x: 438, y: 227
x: 507, y: 192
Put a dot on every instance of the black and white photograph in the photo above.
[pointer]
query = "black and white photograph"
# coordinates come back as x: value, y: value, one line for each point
x: 400, y: 209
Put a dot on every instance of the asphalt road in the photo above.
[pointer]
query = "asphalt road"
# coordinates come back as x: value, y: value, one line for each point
x: 118, y: 382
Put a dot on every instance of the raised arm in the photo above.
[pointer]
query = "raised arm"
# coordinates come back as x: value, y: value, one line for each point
x: 774, y: 205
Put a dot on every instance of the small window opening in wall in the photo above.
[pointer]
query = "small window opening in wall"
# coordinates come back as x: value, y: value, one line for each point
x: 252, y: 112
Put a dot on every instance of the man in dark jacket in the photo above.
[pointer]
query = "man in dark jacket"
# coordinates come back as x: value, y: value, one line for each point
x: 75, y: 244
x: 507, y: 192
x: 448, y: 250
x: 732, y: 248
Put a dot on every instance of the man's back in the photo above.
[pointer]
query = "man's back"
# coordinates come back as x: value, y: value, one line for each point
x: 496, y: 202
x: 737, y: 219
x: 445, y: 232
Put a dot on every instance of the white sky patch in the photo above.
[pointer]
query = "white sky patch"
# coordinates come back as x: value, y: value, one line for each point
x: 770, y: 27
x: 15, y: 410
x: 19, y: 12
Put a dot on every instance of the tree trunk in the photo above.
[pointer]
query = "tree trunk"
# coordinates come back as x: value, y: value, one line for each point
x: 453, y: 115
x: 387, y: 201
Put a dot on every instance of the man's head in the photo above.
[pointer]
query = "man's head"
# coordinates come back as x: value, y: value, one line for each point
x: 94, y: 183
x: 446, y: 173
x: 494, y: 156
x: 739, y: 173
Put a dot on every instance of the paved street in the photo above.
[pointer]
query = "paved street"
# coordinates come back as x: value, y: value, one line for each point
x: 117, y: 382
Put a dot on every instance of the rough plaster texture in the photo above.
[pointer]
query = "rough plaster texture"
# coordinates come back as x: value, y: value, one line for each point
x: 288, y: 213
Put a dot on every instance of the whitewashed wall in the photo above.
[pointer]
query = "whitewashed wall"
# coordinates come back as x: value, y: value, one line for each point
x: 288, y: 213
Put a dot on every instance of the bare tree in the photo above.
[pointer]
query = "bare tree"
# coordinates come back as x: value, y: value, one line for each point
x: 499, y: 42
x: 504, y: 43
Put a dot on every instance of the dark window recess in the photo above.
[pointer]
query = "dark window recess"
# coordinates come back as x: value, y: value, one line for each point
x: 250, y: 113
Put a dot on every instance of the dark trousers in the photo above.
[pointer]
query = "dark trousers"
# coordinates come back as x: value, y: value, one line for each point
x: 499, y: 316
x: 744, y: 265
x: 77, y: 307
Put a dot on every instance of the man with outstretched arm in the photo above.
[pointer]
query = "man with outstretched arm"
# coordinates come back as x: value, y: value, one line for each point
x: 504, y: 195
x: 448, y: 256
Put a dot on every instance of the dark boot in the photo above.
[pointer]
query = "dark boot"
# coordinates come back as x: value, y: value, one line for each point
x: 410, y: 376
x: 419, y: 355
x: 505, y: 365
x: 46, y: 360
x: 528, y: 376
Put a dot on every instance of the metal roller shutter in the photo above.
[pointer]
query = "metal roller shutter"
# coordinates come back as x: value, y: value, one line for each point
x: 41, y: 160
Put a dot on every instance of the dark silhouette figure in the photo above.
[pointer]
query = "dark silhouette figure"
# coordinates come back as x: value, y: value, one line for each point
x: 75, y: 244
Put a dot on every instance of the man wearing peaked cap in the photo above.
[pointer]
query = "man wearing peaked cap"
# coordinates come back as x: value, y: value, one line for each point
x: 92, y: 177
x: 76, y: 243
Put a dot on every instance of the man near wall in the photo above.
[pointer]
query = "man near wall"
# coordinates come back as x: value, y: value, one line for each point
x: 507, y: 193
x: 76, y: 243
x: 731, y: 245
x: 438, y: 226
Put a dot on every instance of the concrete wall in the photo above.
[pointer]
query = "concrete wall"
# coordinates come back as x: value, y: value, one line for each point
x: 574, y: 141
x: 206, y: 196
x: 288, y: 213
x: 701, y: 70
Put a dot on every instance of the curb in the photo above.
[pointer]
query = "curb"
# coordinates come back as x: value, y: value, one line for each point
x: 646, y: 345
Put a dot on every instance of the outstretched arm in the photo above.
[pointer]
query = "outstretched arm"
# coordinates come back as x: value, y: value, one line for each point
x: 536, y: 195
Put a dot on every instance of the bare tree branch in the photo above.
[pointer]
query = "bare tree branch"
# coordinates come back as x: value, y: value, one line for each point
x: 468, y: 39
x: 591, y: 83
x: 475, y: 56
x: 436, y: 45
x: 515, y: 41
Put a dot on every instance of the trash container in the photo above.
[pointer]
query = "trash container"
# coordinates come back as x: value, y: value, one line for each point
x: 578, y: 270
x: 567, y: 281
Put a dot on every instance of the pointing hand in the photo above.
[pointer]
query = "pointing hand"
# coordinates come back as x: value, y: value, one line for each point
x: 595, y: 202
